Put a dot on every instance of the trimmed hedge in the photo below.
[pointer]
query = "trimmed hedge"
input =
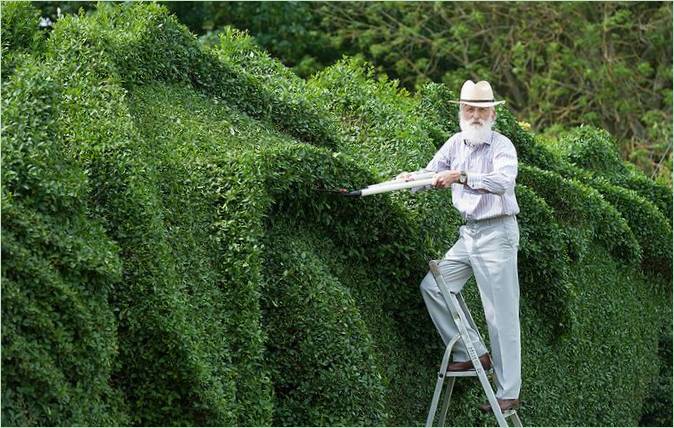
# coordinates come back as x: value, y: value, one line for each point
x: 650, y: 227
x: 170, y: 259
x: 645, y: 205
x: 597, y: 152
x: 544, y: 263
x: 20, y: 31
x: 59, y: 342
x: 20, y: 34
x: 586, y: 215
x: 139, y: 54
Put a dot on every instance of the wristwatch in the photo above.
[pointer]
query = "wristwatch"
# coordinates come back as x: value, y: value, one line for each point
x: 463, y: 178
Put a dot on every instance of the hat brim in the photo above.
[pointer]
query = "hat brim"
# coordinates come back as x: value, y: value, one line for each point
x: 479, y: 103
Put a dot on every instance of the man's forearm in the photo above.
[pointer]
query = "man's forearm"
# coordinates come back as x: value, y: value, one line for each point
x: 494, y: 182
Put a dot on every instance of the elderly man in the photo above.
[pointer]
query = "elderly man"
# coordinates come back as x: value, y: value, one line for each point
x: 480, y: 165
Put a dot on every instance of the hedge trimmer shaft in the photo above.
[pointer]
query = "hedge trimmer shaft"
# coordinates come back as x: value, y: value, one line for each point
x: 420, y: 182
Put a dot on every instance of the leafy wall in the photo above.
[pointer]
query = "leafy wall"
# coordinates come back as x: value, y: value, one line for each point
x: 169, y: 258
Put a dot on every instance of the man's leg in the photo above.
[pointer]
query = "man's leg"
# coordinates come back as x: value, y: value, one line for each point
x: 456, y: 271
x: 495, y: 268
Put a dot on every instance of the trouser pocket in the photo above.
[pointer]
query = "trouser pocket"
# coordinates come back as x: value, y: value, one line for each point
x: 512, y: 232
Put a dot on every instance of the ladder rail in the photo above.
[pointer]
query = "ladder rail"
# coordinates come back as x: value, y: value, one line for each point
x: 481, y: 374
x: 448, y: 397
x: 440, y: 382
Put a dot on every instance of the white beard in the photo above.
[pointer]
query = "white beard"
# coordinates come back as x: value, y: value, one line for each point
x: 476, y: 134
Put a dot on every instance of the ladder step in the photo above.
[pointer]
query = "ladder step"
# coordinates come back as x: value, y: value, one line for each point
x: 466, y: 373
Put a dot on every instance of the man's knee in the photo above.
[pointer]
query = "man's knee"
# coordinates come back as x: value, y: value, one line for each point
x: 428, y: 284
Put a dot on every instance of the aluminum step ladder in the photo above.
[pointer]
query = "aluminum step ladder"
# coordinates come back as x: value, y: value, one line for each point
x: 462, y: 318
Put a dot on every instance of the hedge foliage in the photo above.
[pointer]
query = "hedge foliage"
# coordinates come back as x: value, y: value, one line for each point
x: 20, y: 31
x: 171, y: 258
x: 588, y: 217
x: 595, y: 151
x: 59, y: 341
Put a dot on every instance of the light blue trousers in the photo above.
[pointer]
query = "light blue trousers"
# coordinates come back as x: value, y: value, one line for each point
x: 488, y: 250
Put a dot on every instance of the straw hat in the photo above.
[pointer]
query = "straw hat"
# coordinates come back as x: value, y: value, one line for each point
x: 477, y: 94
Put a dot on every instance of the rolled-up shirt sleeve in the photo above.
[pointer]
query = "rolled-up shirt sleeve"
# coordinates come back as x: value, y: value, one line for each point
x: 502, y: 178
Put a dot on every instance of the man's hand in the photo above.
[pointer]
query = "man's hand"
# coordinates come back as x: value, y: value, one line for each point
x: 444, y: 179
x: 406, y: 176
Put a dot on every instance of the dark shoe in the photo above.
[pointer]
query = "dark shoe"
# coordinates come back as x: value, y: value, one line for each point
x: 513, y: 404
x: 468, y: 365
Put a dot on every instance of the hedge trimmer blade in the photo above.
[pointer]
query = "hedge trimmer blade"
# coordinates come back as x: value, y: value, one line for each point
x: 340, y: 192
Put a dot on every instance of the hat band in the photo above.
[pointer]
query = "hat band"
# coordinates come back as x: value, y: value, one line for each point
x: 477, y: 101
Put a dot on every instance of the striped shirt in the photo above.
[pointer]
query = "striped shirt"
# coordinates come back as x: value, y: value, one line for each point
x: 491, y: 168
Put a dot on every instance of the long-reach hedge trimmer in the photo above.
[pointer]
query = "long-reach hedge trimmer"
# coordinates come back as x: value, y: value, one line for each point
x: 420, y: 181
